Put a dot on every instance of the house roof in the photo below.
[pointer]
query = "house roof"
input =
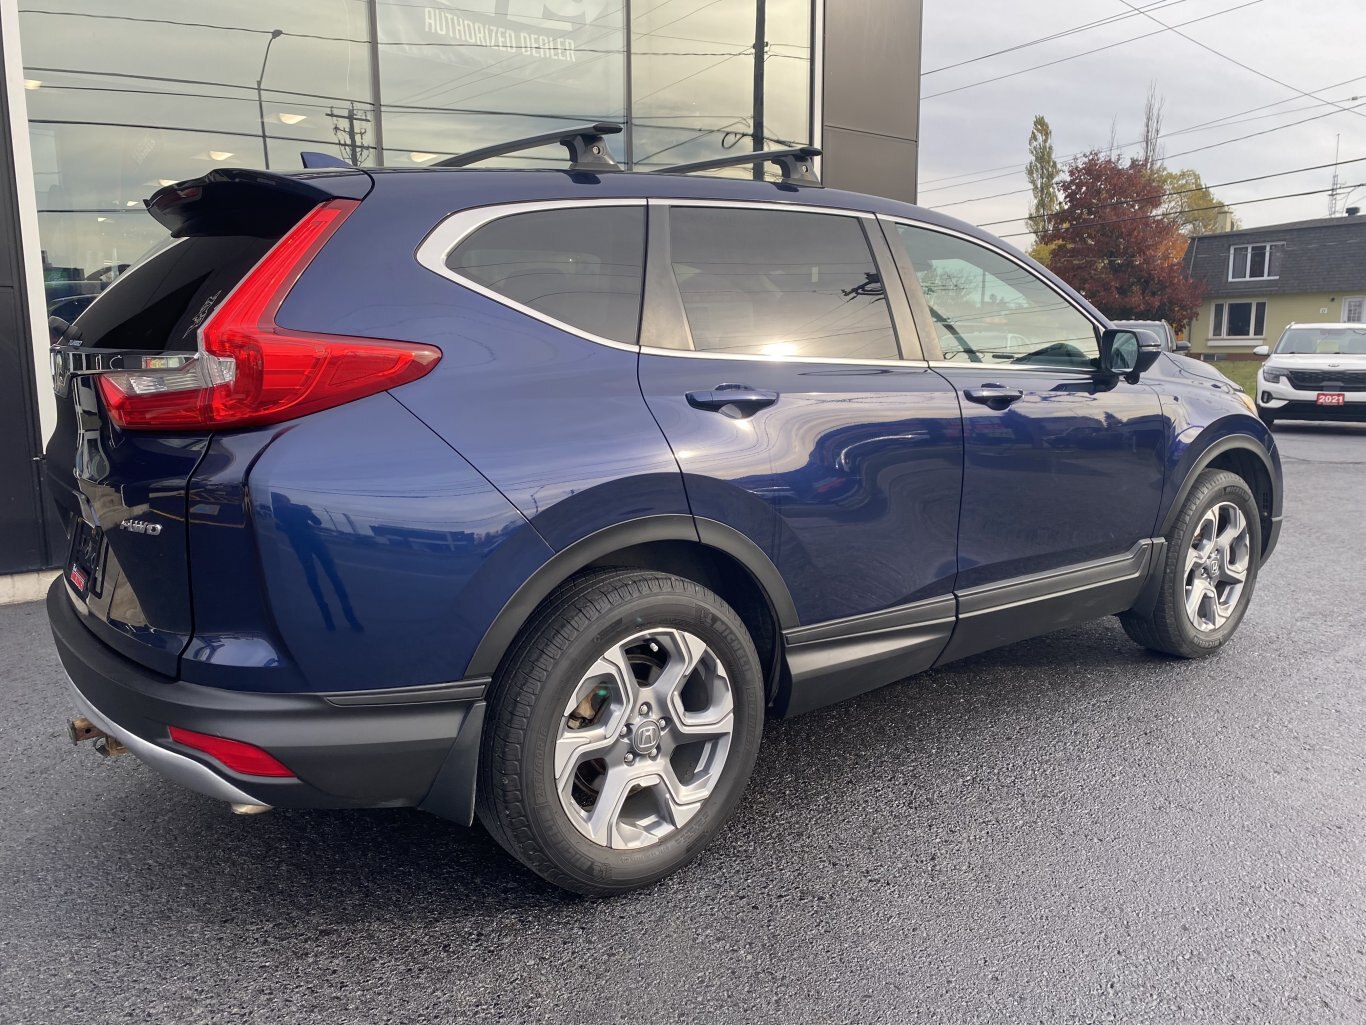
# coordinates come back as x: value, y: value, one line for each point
x: 1327, y: 254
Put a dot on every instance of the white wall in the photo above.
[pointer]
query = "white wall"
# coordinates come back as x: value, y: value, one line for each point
x: 28, y: 211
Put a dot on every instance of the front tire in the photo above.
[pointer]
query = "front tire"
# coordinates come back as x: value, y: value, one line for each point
x: 623, y: 728
x: 1209, y: 571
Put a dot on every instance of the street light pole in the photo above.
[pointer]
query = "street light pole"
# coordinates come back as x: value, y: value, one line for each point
x: 260, y: 102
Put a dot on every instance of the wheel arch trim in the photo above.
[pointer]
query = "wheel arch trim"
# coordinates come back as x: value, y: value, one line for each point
x: 1207, y: 455
x: 498, y: 638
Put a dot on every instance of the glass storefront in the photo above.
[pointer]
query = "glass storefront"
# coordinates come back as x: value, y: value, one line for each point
x: 124, y: 99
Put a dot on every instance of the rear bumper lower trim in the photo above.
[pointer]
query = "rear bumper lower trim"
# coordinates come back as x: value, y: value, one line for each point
x: 175, y: 767
x: 400, y: 753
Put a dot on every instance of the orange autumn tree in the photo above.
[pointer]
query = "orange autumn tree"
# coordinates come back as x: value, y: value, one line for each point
x: 1112, y: 242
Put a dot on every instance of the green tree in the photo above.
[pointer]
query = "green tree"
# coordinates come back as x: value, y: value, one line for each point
x: 1190, y: 205
x: 1042, y: 172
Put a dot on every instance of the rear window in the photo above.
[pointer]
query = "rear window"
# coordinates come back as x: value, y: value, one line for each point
x: 159, y: 302
x: 583, y: 268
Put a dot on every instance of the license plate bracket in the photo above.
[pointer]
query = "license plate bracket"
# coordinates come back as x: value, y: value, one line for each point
x: 83, y: 559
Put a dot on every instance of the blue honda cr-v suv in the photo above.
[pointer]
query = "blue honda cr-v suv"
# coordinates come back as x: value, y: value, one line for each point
x: 528, y: 495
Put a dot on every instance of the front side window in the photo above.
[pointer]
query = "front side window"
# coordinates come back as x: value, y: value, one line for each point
x: 988, y: 309
x: 776, y: 283
x: 1239, y: 320
x: 581, y: 267
x: 1255, y: 263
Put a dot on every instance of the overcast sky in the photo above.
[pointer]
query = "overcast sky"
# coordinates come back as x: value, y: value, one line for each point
x: 1318, y: 46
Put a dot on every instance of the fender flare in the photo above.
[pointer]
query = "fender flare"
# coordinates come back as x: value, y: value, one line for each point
x: 1228, y: 443
x: 565, y: 563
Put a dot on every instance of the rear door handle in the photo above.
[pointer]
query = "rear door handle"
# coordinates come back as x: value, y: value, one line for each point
x: 996, y: 396
x: 732, y: 400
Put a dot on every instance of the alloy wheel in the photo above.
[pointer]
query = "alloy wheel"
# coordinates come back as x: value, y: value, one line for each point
x: 644, y: 738
x: 1217, y: 564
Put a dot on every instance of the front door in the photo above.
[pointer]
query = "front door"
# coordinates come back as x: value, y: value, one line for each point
x: 1062, y: 470
x: 771, y: 361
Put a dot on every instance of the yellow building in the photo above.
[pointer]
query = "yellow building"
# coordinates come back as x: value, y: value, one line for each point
x: 1259, y: 280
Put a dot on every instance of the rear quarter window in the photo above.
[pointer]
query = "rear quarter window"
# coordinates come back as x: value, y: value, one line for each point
x: 584, y: 268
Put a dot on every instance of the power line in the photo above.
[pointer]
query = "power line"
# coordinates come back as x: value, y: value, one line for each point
x: 1213, y: 123
x: 1201, y: 188
x: 1087, y: 53
x: 1076, y: 29
x: 1225, y: 57
x: 1197, y: 210
x: 1182, y: 153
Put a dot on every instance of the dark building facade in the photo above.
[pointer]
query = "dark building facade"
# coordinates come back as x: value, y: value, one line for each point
x: 103, y: 105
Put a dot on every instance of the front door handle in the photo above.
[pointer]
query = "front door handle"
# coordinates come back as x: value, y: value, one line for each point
x: 732, y: 400
x: 995, y: 396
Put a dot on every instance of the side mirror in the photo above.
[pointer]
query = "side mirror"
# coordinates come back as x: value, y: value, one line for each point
x: 1127, y: 353
x: 1181, y: 347
x: 1262, y: 350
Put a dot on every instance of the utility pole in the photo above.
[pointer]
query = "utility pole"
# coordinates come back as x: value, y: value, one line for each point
x: 1337, y: 180
x: 349, y: 127
x: 760, y: 31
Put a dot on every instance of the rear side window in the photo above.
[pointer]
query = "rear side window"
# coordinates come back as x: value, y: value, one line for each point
x: 582, y: 267
x: 772, y: 283
x: 159, y: 303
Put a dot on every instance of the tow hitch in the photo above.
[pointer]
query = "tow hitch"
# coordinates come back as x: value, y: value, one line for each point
x: 82, y: 729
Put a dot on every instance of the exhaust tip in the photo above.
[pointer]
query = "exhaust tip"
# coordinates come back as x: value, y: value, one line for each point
x: 249, y: 809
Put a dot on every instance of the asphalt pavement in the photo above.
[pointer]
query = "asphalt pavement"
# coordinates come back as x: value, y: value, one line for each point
x: 1066, y: 830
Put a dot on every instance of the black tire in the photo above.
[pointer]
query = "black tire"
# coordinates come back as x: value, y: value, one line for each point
x: 517, y: 800
x: 1168, y: 628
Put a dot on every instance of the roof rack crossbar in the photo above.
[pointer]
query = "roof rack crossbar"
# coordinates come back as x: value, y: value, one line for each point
x: 795, y: 163
x: 587, y: 148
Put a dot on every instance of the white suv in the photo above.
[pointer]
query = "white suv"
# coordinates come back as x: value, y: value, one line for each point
x: 1315, y: 372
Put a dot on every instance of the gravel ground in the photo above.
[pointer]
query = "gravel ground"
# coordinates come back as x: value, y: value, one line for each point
x: 1067, y: 830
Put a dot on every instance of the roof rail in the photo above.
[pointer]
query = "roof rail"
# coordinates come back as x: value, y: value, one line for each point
x: 795, y: 163
x: 587, y: 149
x: 313, y: 159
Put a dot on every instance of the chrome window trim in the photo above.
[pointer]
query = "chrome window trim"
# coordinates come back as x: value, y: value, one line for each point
x: 433, y: 251
x: 442, y: 240
x: 913, y: 223
x: 778, y: 205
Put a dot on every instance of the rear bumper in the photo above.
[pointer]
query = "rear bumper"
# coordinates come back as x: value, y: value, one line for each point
x: 377, y: 749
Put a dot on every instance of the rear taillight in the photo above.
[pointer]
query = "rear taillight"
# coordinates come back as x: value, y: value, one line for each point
x: 237, y: 755
x: 249, y: 370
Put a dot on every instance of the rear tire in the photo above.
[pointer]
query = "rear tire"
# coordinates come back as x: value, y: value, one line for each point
x: 603, y: 779
x: 1209, y: 570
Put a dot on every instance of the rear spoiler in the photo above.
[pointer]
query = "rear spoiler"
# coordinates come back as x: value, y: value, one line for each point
x: 238, y: 201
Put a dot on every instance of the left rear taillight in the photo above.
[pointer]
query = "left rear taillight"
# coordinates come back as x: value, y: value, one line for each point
x: 250, y: 371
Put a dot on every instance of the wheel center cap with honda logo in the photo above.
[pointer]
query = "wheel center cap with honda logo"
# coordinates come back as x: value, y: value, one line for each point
x: 645, y: 736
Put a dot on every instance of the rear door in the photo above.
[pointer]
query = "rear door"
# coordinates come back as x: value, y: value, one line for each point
x: 771, y: 359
